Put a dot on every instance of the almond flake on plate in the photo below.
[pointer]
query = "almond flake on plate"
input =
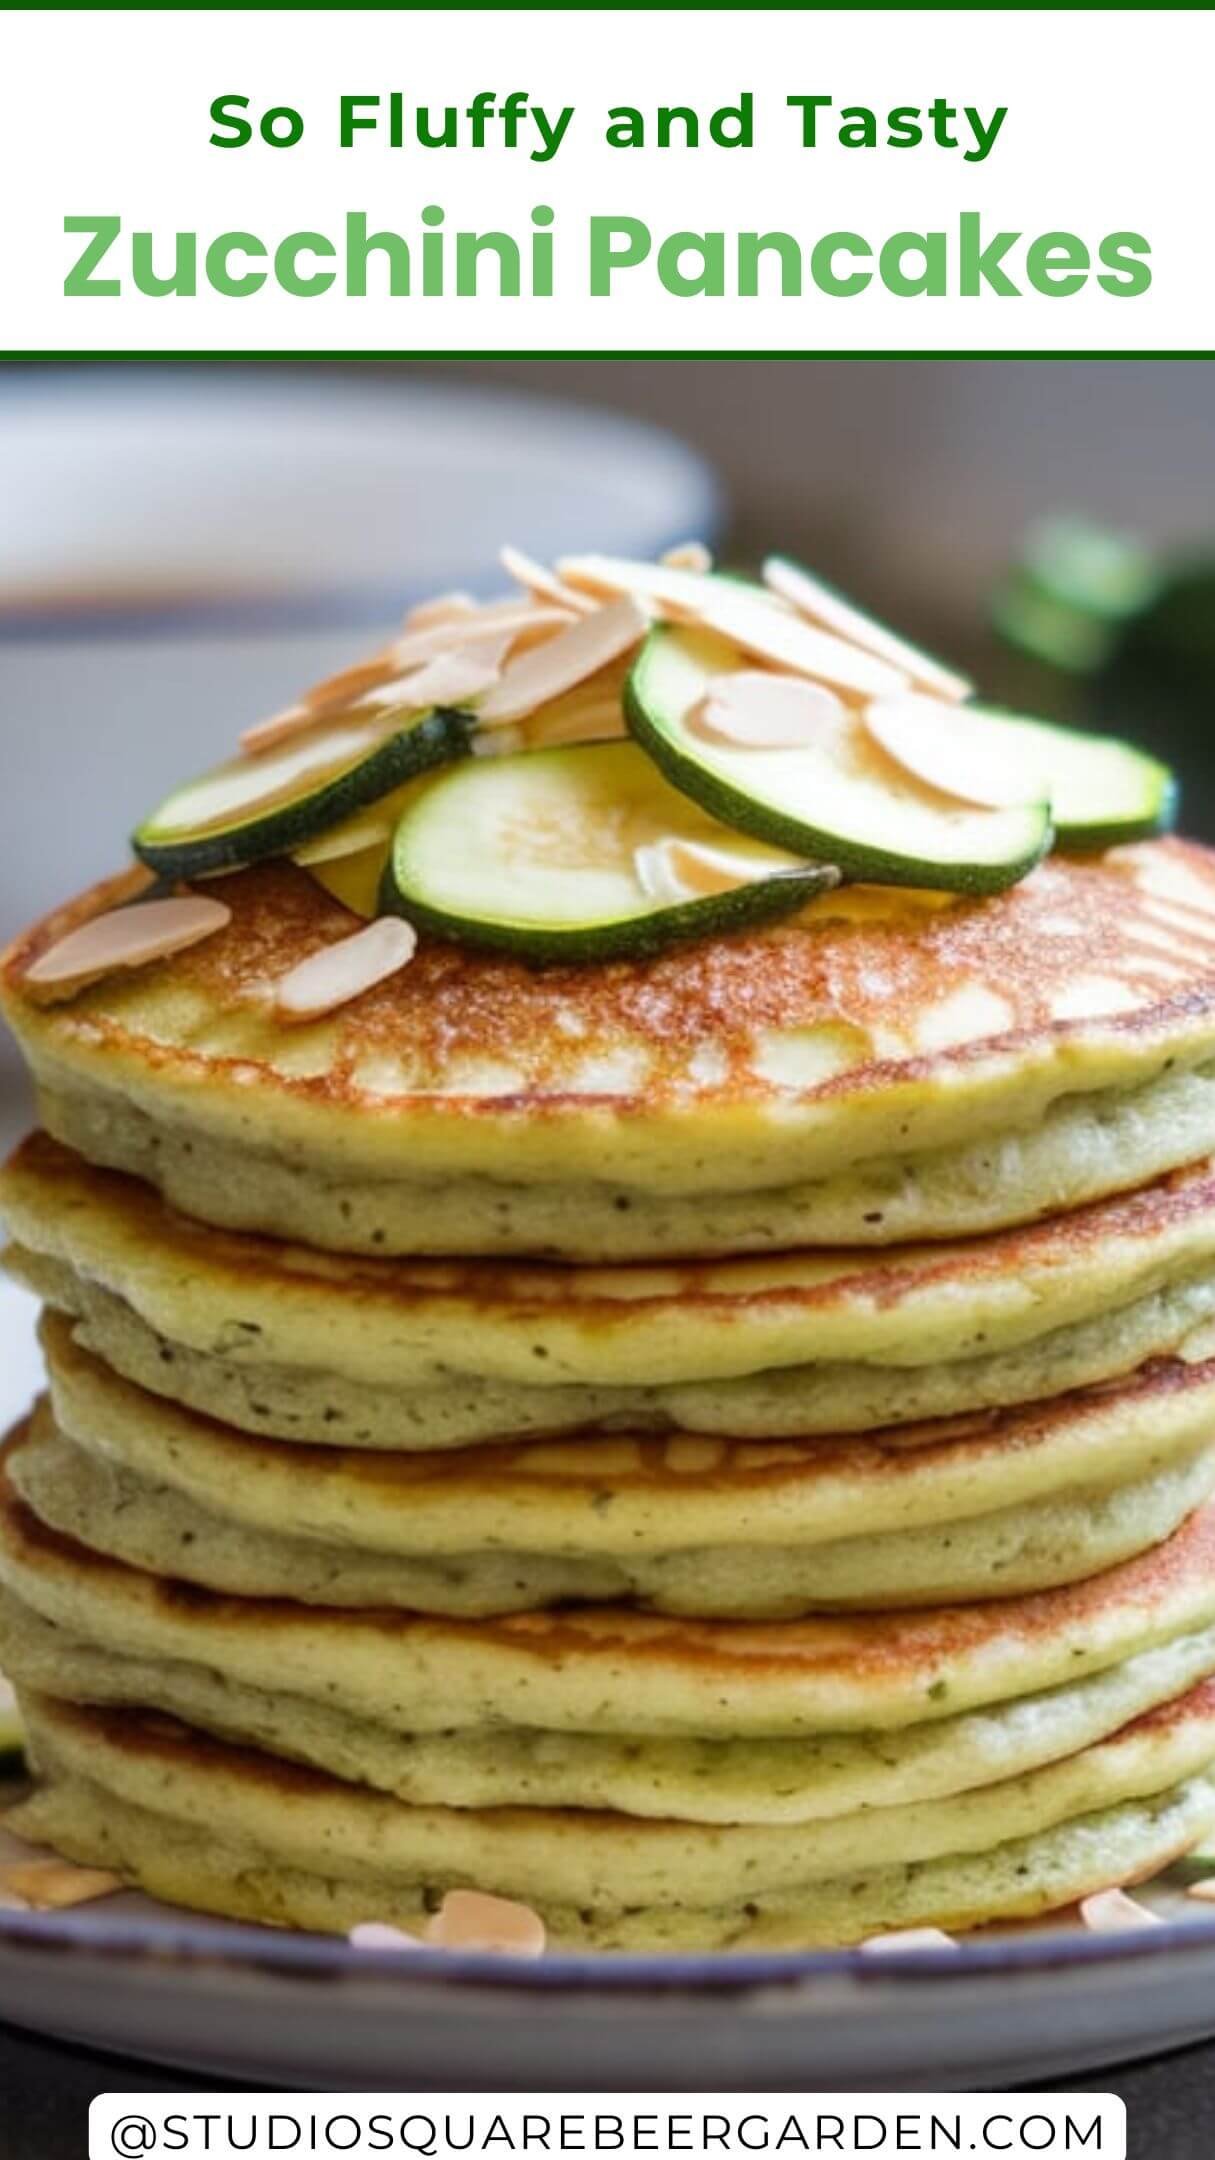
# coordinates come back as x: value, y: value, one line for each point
x: 674, y: 870
x: 755, y: 711
x: 377, y: 1935
x: 338, y: 973
x: 53, y: 1885
x: 126, y: 937
x: 537, y: 677
x: 1110, y: 1912
x: 831, y: 612
x: 689, y: 555
x: 472, y: 1920
x: 1203, y: 1890
x: 936, y: 744
x: 546, y: 585
x: 920, y: 1938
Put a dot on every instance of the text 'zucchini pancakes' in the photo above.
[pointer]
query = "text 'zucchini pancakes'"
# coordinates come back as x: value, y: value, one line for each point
x: 626, y: 1225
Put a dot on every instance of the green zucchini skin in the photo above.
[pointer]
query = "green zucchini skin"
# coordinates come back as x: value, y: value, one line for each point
x: 858, y: 862
x: 626, y: 933
x: 434, y: 739
x: 638, y: 937
x: 1162, y: 799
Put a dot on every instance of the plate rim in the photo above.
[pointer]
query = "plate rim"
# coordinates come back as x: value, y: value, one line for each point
x: 197, y: 1940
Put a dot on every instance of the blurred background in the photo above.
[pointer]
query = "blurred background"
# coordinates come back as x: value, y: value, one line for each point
x: 183, y: 548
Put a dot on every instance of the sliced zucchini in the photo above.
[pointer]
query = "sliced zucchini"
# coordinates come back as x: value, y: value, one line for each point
x: 838, y: 799
x: 12, y: 1732
x: 268, y: 804
x: 1102, y: 791
x: 550, y: 854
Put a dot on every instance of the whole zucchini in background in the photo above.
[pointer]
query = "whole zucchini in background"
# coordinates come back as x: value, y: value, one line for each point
x: 1120, y: 638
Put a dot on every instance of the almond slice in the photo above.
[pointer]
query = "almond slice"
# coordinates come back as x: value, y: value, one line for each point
x: 534, y: 578
x: 659, y: 586
x: 787, y: 641
x: 689, y: 555
x: 126, y: 937
x: 760, y: 623
x: 674, y: 870
x: 471, y: 1920
x: 536, y: 677
x: 937, y: 744
x: 918, y: 1938
x: 53, y: 1885
x: 338, y: 973
x: 754, y: 711
x: 1203, y: 1890
x: 451, y: 678
x: 831, y: 612
x: 445, y: 607
x: 1110, y: 1912
x: 337, y: 693
x: 377, y: 1935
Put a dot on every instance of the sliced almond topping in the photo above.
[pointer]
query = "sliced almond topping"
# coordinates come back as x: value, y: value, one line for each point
x: 920, y: 1938
x: 445, y: 607
x: 830, y: 612
x: 663, y: 587
x: 771, y: 633
x: 126, y: 937
x: 278, y: 728
x: 451, y: 678
x: 672, y: 870
x: 1204, y: 1891
x: 471, y: 1920
x: 514, y: 614
x: 336, y: 694
x: 52, y: 1885
x: 760, y: 623
x: 1110, y: 1912
x: 595, y: 720
x: 376, y: 1935
x: 753, y: 711
x: 544, y: 583
x: 338, y: 973
x: 536, y: 677
x: 689, y: 555
x: 937, y: 744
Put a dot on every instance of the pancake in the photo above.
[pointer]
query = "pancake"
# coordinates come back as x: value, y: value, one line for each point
x: 977, y: 1507
x: 797, y: 1343
x: 724, y: 1781
x: 888, y: 1065
x: 612, y: 1670
x: 200, y: 1821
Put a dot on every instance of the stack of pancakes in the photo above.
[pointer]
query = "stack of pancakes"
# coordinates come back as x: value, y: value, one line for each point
x: 719, y: 1447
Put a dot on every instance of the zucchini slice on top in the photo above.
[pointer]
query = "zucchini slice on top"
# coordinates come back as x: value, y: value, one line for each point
x: 581, y: 853
x: 838, y: 797
x: 1103, y: 792
x: 268, y: 804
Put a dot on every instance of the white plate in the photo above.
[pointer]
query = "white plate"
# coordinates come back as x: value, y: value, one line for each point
x: 277, y: 2009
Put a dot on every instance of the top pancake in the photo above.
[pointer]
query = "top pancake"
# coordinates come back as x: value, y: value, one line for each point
x: 843, y: 1077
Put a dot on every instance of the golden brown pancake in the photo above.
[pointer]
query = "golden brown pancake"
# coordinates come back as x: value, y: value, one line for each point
x: 207, y: 1823
x: 970, y: 1507
x: 890, y: 1064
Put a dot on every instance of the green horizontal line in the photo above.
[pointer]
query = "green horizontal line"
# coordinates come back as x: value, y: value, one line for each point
x: 250, y: 356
